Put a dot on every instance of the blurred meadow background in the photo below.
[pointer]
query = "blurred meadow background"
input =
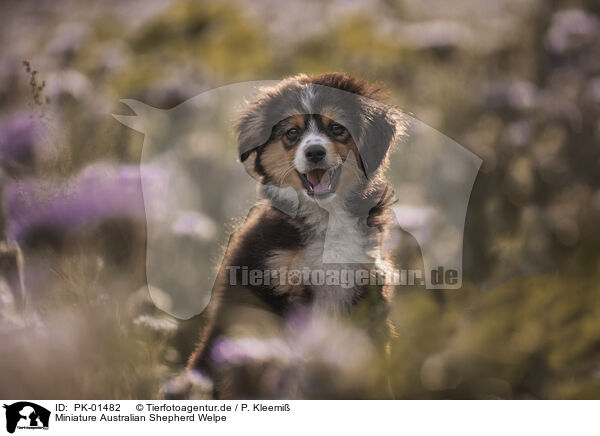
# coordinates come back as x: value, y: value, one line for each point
x: 517, y: 82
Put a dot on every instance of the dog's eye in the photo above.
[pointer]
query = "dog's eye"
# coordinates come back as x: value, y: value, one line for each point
x: 337, y: 129
x: 292, y: 133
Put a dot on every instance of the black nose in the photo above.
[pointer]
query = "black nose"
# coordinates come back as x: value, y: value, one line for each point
x: 315, y: 153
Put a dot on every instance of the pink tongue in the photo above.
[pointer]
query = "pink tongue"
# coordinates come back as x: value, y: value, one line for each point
x: 319, y: 186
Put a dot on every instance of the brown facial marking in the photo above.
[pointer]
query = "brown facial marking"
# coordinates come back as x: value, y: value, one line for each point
x: 278, y: 163
x: 325, y: 120
x: 328, y: 114
x: 338, y: 146
x: 296, y: 121
x: 277, y: 158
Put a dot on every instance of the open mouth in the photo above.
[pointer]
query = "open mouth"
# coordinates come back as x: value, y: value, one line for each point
x: 321, y: 182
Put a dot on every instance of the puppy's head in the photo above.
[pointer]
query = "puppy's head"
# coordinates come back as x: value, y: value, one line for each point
x: 302, y: 131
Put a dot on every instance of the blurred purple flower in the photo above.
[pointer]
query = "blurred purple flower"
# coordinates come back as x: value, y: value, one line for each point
x: 98, y: 193
x: 519, y: 133
x: 194, y: 224
x: 250, y: 349
x: 74, y: 84
x: 20, y: 140
x: 437, y: 34
x: 593, y: 89
x: 312, y: 346
x: 571, y: 29
x: 67, y: 41
x: 189, y: 385
x: 515, y: 94
x: 308, y: 337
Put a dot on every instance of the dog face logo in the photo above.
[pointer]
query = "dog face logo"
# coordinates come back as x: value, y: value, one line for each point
x: 26, y: 415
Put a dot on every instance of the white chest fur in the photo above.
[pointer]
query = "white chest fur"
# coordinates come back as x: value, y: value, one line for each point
x: 338, y: 242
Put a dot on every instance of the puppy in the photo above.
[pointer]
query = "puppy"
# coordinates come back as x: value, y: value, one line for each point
x: 318, y: 146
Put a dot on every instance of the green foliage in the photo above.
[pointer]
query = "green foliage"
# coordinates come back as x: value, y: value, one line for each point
x: 532, y: 337
x: 353, y: 44
x: 216, y: 34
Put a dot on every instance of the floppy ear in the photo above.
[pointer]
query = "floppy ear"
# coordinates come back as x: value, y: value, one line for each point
x: 379, y: 132
x: 252, y: 130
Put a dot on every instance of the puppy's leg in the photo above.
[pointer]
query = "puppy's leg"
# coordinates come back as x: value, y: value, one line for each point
x: 229, y: 350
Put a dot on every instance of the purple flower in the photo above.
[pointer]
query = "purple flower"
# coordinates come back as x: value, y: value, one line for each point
x: 571, y: 29
x: 194, y: 224
x: 311, y: 338
x: 20, y: 140
x: 98, y: 193
x: 519, y: 133
x: 248, y: 349
x: 285, y: 363
x: 518, y: 95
